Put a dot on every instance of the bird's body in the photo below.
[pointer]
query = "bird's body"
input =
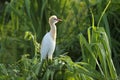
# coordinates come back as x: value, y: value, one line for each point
x: 48, y: 46
x: 49, y: 40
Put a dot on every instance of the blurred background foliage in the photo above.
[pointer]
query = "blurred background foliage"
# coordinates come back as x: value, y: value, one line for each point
x: 19, y: 17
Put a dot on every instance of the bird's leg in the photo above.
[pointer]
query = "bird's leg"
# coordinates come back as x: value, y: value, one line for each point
x: 49, y: 61
x: 46, y: 64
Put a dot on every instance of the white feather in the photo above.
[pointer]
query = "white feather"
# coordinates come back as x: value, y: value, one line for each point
x: 48, y: 46
x: 49, y: 40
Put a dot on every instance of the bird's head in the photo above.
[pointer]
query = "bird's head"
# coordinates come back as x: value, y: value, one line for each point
x: 53, y: 19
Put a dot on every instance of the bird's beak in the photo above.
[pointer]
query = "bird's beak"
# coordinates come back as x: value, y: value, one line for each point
x: 59, y: 20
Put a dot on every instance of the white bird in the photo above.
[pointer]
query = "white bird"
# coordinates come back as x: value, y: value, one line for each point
x: 49, y: 40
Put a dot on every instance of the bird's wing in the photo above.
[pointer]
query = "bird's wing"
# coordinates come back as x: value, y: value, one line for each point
x: 45, y: 46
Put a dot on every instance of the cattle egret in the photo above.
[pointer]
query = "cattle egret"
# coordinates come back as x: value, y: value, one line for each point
x: 49, y: 40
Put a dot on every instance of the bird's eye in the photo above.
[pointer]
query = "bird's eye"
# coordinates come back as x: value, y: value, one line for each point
x: 55, y: 19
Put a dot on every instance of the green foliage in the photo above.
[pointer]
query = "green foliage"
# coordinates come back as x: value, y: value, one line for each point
x: 97, y: 53
x: 24, y: 22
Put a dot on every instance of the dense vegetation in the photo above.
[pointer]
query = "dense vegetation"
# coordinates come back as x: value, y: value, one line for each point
x: 88, y: 42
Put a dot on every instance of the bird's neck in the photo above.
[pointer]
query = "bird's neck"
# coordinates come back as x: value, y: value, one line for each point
x: 53, y: 31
